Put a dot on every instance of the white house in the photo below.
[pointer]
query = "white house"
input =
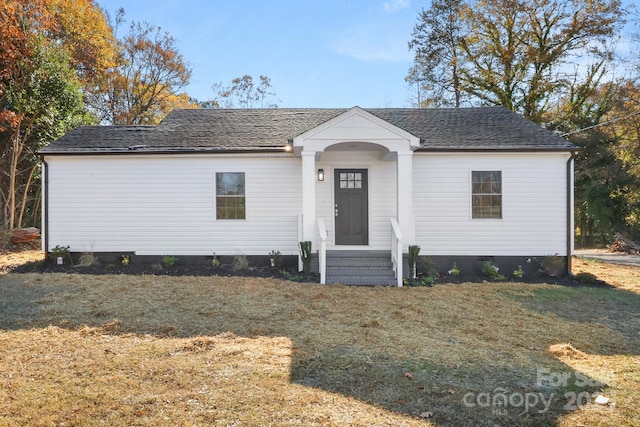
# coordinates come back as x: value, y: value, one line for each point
x: 466, y: 185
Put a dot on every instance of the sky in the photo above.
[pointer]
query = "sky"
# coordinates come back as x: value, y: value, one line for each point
x: 317, y: 53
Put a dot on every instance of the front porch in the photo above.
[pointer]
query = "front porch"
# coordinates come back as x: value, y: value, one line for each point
x: 357, y: 197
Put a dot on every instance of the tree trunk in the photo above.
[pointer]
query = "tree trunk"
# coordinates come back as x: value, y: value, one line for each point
x: 25, y: 195
x: 456, y: 81
x: 13, y: 172
x: 36, y: 209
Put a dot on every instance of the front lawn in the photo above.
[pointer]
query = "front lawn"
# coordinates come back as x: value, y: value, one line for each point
x: 162, y: 350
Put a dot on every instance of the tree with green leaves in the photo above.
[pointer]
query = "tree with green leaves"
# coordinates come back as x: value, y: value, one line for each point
x: 514, y: 53
x: 606, y: 192
x: 48, y: 103
x: 40, y: 98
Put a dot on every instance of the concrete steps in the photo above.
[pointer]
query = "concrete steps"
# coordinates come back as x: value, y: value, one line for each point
x: 367, y: 268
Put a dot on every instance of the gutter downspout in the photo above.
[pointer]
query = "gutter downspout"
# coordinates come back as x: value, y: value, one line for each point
x: 45, y: 205
x: 570, y: 210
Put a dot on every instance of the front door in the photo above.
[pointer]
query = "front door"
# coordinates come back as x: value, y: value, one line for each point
x: 351, y: 207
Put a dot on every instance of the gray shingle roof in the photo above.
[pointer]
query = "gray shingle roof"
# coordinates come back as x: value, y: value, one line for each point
x: 482, y: 128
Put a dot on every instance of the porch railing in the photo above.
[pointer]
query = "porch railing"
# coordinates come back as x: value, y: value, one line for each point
x: 322, y: 253
x: 396, y: 250
x: 300, y: 266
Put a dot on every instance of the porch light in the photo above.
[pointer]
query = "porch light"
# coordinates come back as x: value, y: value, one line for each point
x: 320, y: 174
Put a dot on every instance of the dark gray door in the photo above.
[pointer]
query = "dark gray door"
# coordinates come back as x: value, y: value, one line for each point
x: 352, y: 207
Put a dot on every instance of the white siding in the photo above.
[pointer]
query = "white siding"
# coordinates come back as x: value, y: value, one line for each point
x: 382, y: 193
x: 165, y: 204
x: 534, y: 197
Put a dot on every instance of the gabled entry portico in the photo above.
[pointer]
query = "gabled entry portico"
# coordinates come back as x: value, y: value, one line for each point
x: 357, y: 142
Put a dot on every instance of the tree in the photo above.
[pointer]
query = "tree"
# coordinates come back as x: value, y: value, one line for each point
x: 86, y: 36
x: 146, y: 82
x: 20, y: 21
x: 46, y: 104
x: 41, y: 54
x: 606, y: 193
x: 243, y: 93
x: 516, y: 53
x: 54, y: 53
x: 436, y: 42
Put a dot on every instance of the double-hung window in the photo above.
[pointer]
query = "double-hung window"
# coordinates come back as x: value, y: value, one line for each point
x: 486, y: 194
x: 230, y: 195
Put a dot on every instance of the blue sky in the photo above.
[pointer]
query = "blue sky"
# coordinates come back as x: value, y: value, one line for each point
x: 318, y: 53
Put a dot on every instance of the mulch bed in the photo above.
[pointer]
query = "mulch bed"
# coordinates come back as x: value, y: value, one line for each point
x: 287, y: 272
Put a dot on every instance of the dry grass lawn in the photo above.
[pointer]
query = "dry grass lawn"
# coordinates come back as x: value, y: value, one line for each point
x: 160, y: 350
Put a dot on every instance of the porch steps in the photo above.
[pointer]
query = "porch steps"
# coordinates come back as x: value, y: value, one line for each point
x: 365, y: 268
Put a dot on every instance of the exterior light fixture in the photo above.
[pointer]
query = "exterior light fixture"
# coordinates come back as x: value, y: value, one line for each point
x: 320, y: 174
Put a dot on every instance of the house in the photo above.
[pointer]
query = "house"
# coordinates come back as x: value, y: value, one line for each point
x: 466, y: 185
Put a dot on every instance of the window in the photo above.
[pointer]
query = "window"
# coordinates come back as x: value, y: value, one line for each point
x: 486, y: 194
x: 350, y: 180
x: 230, y: 195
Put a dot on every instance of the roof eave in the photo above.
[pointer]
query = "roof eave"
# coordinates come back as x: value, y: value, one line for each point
x: 121, y: 151
x: 497, y: 149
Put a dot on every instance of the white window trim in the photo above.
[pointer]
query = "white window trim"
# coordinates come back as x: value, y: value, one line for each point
x: 215, y: 197
x: 502, y: 210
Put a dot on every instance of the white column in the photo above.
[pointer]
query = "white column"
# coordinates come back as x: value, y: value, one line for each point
x: 405, y: 198
x: 308, y: 195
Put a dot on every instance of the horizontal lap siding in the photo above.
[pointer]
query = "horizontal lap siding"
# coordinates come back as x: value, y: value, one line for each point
x: 166, y: 204
x: 534, y: 197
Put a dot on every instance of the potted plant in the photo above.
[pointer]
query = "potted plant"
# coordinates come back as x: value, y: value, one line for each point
x: 274, y: 258
x: 305, y: 254
x: 414, y: 250
x: 59, y: 253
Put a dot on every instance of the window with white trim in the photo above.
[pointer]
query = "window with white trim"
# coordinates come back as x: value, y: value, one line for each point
x: 486, y: 194
x: 230, y: 195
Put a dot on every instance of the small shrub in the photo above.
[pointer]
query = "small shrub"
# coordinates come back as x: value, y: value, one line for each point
x: 552, y: 265
x: 585, y: 277
x: 125, y: 259
x: 492, y: 271
x: 156, y: 266
x: 60, y: 252
x: 427, y: 281
x: 215, y: 262
x: 240, y: 262
x: 169, y: 261
x: 518, y: 273
x: 418, y: 282
x: 111, y: 266
x: 87, y: 259
x: 426, y: 267
x: 293, y: 277
x: 455, y: 271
